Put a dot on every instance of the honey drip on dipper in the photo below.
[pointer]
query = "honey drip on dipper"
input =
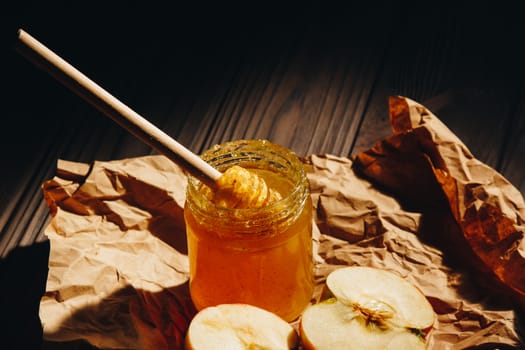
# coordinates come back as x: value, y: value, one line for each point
x: 238, y: 188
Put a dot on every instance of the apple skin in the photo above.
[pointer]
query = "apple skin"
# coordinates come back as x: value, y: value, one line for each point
x: 369, y: 309
x: 239, y: 327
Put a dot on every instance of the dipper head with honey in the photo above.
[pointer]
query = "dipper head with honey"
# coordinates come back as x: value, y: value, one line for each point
x: 239, y: 188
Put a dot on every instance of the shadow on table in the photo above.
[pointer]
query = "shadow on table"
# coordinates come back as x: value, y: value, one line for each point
x: 127, y: 318
x: 476, y: 285
x: 23, y: 275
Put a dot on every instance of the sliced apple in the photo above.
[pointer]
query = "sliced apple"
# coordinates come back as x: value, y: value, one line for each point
x: 371, y: 309
x: 381, y: 294
x: 239, y: 326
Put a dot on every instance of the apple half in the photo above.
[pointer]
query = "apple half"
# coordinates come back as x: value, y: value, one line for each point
x: 370, y: 309
x: 239, y: 327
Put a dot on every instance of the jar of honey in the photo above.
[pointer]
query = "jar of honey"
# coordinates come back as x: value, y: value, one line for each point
x: 258, y: 256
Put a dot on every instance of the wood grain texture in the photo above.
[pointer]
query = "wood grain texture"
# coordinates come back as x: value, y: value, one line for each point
x: 464, y: 66
x: 513, y: 150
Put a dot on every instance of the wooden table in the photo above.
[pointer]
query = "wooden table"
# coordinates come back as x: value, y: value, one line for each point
x: 314, y: 77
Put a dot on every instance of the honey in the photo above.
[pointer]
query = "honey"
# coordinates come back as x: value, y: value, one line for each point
x: 259, y: 256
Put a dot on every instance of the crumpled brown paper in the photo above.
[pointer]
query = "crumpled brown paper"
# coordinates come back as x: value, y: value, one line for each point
x: 413, y: 204
x: 117, y: 237
x: 424, y: 160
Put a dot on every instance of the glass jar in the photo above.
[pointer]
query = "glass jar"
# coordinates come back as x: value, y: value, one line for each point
x: 260, y: 256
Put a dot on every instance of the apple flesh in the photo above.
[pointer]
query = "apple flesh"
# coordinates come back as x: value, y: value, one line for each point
x: 370, y: 309
x: 239, y: 327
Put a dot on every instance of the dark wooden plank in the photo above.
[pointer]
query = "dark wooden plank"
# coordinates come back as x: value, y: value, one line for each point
x: 319, y: 95
x: 513, y: 152
x: 44, y: 122
x: 467, y: 70
x: 308, y: 93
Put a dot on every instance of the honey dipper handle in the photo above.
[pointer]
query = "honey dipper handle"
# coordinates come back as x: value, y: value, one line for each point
x: 68, y: 75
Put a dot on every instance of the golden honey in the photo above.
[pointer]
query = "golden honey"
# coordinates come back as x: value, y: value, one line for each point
x: 259, y: 256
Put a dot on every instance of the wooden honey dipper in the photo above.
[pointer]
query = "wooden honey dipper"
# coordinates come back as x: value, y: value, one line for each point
x: 236, y: 188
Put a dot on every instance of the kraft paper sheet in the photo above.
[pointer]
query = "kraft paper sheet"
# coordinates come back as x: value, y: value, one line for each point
x: 418, y: 204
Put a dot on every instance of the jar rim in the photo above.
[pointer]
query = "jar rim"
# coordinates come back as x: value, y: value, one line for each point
x: 245, y: 151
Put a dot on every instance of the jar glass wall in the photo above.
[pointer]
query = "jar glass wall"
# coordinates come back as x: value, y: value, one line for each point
x: 259, y: 256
